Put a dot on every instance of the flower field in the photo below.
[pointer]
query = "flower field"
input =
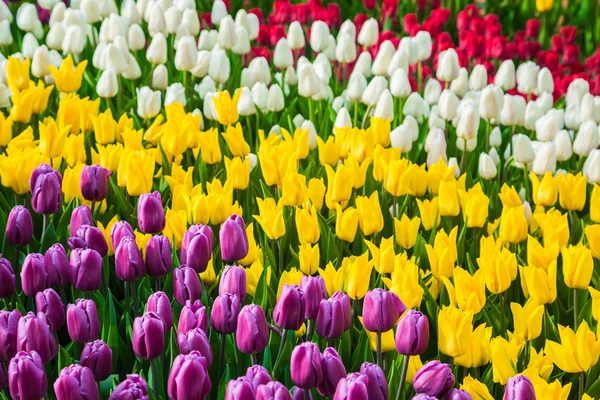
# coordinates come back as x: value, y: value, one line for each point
x: 271, y: 200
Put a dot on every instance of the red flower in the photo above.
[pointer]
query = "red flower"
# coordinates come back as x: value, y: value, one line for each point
x: 409, y: 21
x: 495, y: 46
x: 532, y: 28
x: 523, y: 50
x: 557, y: 43
x: 441, y: 14
x: 478, y: 26
x: 548, y: 59
x: 258, y: 12
x: 260, y: 52
x: 359, y: 20
x: 276, y: 32
x: 571, y: 54
x: 335, y: 14
x: 263, y: 35
x: 303, y: 13
x: 593, y: 63
x: 463, y: 20
x: 569, y: 33
x: 205, y: 20
x: 493, y: 30
x: 534, y: 48
x: 490, y: 68
x: 472, y: 10
x: 435, y: 4
x: 492, y: 19
x: 443, y: 37
x: 389, y: 8
x: 519, y: 36
x: 370, y: 4
x: 421, y: 5
x: 417, y: 28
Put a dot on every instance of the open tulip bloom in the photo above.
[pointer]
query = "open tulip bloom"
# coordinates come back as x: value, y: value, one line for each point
x: 281, y: 200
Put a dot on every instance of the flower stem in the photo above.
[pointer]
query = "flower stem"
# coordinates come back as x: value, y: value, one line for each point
x: 575, y: 309
x: 402, y: 376
x: 281, y: 345
x: 134, y: 298
x: 155, y: 379
x: 581, y: 381
x: 379, y: 355
x: 222, y: 353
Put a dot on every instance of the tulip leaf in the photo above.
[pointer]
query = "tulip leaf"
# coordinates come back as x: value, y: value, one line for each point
x: 64, y: 359
x: 357, y: 356
x: 49, y: 239
x: 62, y: 229
x: 223, y: 383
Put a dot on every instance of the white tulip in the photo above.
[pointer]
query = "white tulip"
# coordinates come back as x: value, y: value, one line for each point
x: 309, y: 83
x: 245, y: 105
x: 342, y: 119
x: 447, y: 67
x: 319, y: 36
x: 157, y: 50
x: 312, y: 133
x: 546, y: 129
x: 133, y: 70
x: 522, y: 149
x: 40, y: 61
x: 295, y: 36
x: 486, y: 168
x: 345, y: 51
x: 527, y: 77
x: 242, y: 41
x: 423, y: 44
x: 207, y: 85
x: 401, y: 138
x: 6, y: 14
x: 172, y: 19
x: 90, y: 10
x: 329, y: 51
x: 27, y: 17
x: 478, y: 79
x: 226, y: 37
x: 148, y: 102
x: 208, y: 109
x: 6, y: 38
x: 435, y: 121
x: 385, y: 106
x: 206, y: 41
x: 505, y: 78
x: 563, y: 145
x: 411, y: 126
x: 575, y: 92
x: 369, y: 33
x: 491, y: 102
x: 4, y: 95
x: 160, y: 77
x: 496, y: 137
x: 453, y: 163
x: 55, y: 37
x: 356, y: 86
x: 468, y: 123
x: 186, y: 54
x: 219, y: 68
x: 435, y: 135
x: 156, y: 20
x: 432, y: 92
x: 190, y: 19
x: 545, y: 81
x: 74, y: 41
x: 399, y: 60
x: 254, y: 26
x: 409, y: 47
x: 374, y: 90
x: 532, y: 114
x: 437, y: 152
x: 416, y: 106
x: 545, y: 159
x: 29, y: 45
x: 363, y: 64
x: 399, y: 84
x: 347, y: 28
x: 283, y: 56
x: 200, y: 70
x: 275, y: 99
x: 383, y: 58
x: 260, y: 71
x: 218, y: 12
x: 591, y: 167
x: 260, y: 95
x: 587, y: 139
x: 460, y: 85
x: 572, y: 120
x: 130, y: 11
x: 175, y: 93
x: 107, y: 86
x: 136, y: 39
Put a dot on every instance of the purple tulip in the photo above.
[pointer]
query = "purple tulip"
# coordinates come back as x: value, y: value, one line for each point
x: 189, y: 378
x: 27, y: 377
x: 433, y: 379
x: 239, y: 389
x: 224, y: 313
x: 76, y: 382
x: 83, y: 323
x: 197, y: 340
x: 258, y: 375
x: 57, y: 265
x: 334, y: 316
x: 120, y: 230
x: 132, y: 388
x: 148, y: 336
x: 306, y: 366
x: 290, y: 308
x: 9, y: 323
x: 159, y: 260
x: 34, y: 277
x: 129, y: 264
x: 8, y: 282
x: 412, y: 334
x: 381, y: 310
x: 459, y: 394
x: 46, y: 194
x: 86, y: 269
x: 273, y: 391
x: 186, y: 285
x: 233, y: 280
x: 94, y: 182
x: 193, y: 315
x: 377, y: 385
x: 197, y: 247
x: 89, y: 237
x: 81, y: 215
x: 233, y: 239
x: 299, y: 394
x: 252, y: 332
x: 160, y: 303
x: 354, y: 387
x: 314, y: 291
x: 97, y: 356
x: 333, y: 372
x: 150, y: 213
x: 19, y: 227
x: 519, y: 388
x: 50, y: 304
x: 422, y: 396
x: 33, y: 333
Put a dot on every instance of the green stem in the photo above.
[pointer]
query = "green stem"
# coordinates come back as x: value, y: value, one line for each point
x: 364, y: 122
x: 254, y: 359
x: 281, y: 345
x: 311, y: 111
x: 44, y: 227
x: 134, y: 298
x: 575, y: 310
x: 155, y: 379
x: 581, y: 382
x: 402, y: 376
x: 222, y: 353
x: 379, y: 354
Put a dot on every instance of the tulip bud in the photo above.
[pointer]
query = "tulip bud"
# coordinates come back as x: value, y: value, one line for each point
x: 160, y: 81
x: 448, y: 105
x: 33, y: 334
x: 75, y: 381
x: 519, y: 388
x: 148, y: 336
x: 151, y: 215
x: 342, y: 119
x: 186, y: 366
x: 423, y: 44
x: 345, y: 51
x: 186, y: 285
x: 545, y: 81
x: 239, y: 389
x: 107, y: 86
x: 354, y: 386
x: 273, y: 391
x: 312, y: 134
x: 356, y: 86
x: 258, y: 376
x: 334, y: 371
x: 447, y: 66
x: 252, y: 332
x: 433, y: 379
x: 412, y: 334
x: 290, y: 308
x: 334, y: 316
x: 564, y: 147
x: 527, y: 77
x: 306, y: 366
x: 491, y: 102
x: 314, y: 291
x: 377, y: 386
x: 159, y: 261
x: 82, y: 321
x: 381, y: 310
x: 458, y: 394
x: 545, y: 159
x: 369, y: 33
x: 50, y: 304
x: 186, y: 54
x: 197, y: 247
x: 416, y: 107
x: 94, y: 182
x: 460, y: 85
x: 33, y: 274
x: 136, y: 39
x: 193, y: 315
x: 295, y: 36
x: 175, y: 93
x: 88, y: 236
x: 275, y: 99
x: 282, y: 56
x: 219, y: 68
x: 383, y: 59
x: 195, y: 340
x: 9, y: 322
x: 301, y: 394
x: 233, y: 280
x: 6, y: 38
x: 86, y: 269
x: 81, y: 215
x: 132, y: 388
x: 319, y: 36
x: 432, y: 91
x: 522, y: 149
x: 587, y: 139
x: 19, y: 227
x: 374, y: 91
x: 309, y: 83
x: 97, y: 356
x: 505, y: 77
x: 399, y: 84
x: 546, y: 128
x: 159, y: 303
x: 224, y: 313
x: 26, y: 376
x: 129, y: 264
x: 46, y: 195
x: 8, y: 282
x: 487, y: 168
x: 149, y: 101
x: 478, y: 79
x: 363, y: 64
x: 120, y: 230
x: 157, y: 50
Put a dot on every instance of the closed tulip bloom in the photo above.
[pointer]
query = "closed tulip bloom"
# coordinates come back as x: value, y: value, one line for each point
x: 458, y: 394
x: 252, y: 332
x: 377, y: 386
x: 314, y: 291
x: 81, y: 215
x: 578, y: 265
x: 82, y: 321
x: 34, y: 277
x: 94, y: 182
x: 412, y: 334
x: 448, y: 66
x: 159, y: 303
x: 233, y: 239
x: 240, y: 389
x: 334, y: 371
x: 346, y: 223
x: 433, y: 379
x: 33, y: 334
x: 27, y: 377
x: 258, y: 375
x: 193, y: 315
x: 454, y: 331
x: 9, y: 322
x: 355, y: 386
x: 592, y: 234
x: 8, y: 282
x: 129, y: 264
x: 233, y: 280
x: 132, y: 388
x: 120, y: 230
x: 519, y: 388
x: 86, y: 269
x: 197, y: 247
x: 306, y: 366
x: 76, y: 382
x: 290, y: 308
x: 381, y: 310
x: 273, y: 391
x: 46, y: 195
x: 97, y: 356
x: 89, y: 237
x: 19, y: 227
x: 151, y: 215
x: 195, y: 340
x: 186, y: 285
x: 189, y: 378
x: 334, y: 316
x: 159, y: 261
x: 148, y: 336
x: 50, y: 304
x: 224, y: 313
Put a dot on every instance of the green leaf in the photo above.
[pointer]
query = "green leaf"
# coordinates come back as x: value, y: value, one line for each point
x: 49, y: 238
x: 64, y: 359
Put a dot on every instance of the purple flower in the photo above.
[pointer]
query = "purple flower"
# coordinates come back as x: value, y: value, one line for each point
x: 193, y: 315
x: 381, y: 310
x: 148, y: 336
x: 150, y: 213
x: 354, y: 387
x: 239, y: 389
x: 82, y: 321
x: 33, y: 333
x: 94, y: 182
x: 81, y: 215
x: 195, y: 339
x: 34, y: 277
x: 306, y: 366
x: 233, y: 239
x: 197, y: 247
x: 224, y: 313
x: 89, y: 237
x: 459, y: 394
x: 19, y: 227
x: 334, y: 316
x: 273, y: 391
x: 159, y: 303
x: 518, y: 388
x: 97, y: 356
x: 314, y: 291
x: 189, y: 378
x: 46, y: 195
x: 186, y: 285
x: 333, y: 372
x: 120, y: 230
x: 27, y: 377
x: 433, y: 379
x: 289, y: 310
x: 57, y: 265
x: 132, y: 388
x: 233, y: 280
x: 258, y: 375
x: 377, y: 386
x: 76, y: 382
x: 159, y: 260
x: 412, y: 334
x: 252, y: 332
x: 8, y: 282
x: 50, y: 304
x: 9, y: 323
x: 86, y: 269
x: 129, y: 264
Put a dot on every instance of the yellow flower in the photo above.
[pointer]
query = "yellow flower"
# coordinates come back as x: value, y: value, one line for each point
x: 208, y: 276
x: 17, y: 74
x: 22, y: 106
x: 541, y: 363
x: 16, y: 167
x: 406, y: 231
x: 106, y: 232
x: 545, y: 193
x: 270, y: 218
x: 359, y: 170
x: 358, y: 277
x: 578, y: 266
x: 383, y: 257
x: 595, y: 303
x: 405, y: 282
x: 476, y: 389
x: 175, y: 227
x: 180, y: 176
x: 275, y: 163
x: 41, y: 95
x: 346, y: 223
x: 592, y: 233
x: 68, y: 77
x: 505, y: 355
x: 316, y: 191
x: 544, y: 5
x: 455, y: 328
x: 513, y: 225
x: 71, y: 184
x: 429, y: 212
x: 234, y: 136
x: 238, y: 172
x: 293, y: 189
x: 105, y: 128
x: 382, y: 158
x: 339, y: 183
x: 329, y: 152
x: 438, y: 173
x: 24, y: 140
x: 5, y: 129
x: 309, y: 258
x: 253, y: 274
x: 52, y: 140
x: 399, y: 177
x: 539, y: 256
x: 595, y: 204
x: 527, y: 320
x: 577, y: 352
x: 449, y: 203
x: 135, y: 172
x: 572, y: 191
x: 298, y: 144
x: 209, y: 145
x: 475, y: 206
x: 226, y: 107
x: 307, y: 225
x: 291, y: 277
x: 554, y: 227
x: 468, y: 292
x: 479, y: 351
x: 370, y: 217
x: 387, y: 339
x: 76, y: 112
x: 109, y: 156
x: 443, y: 254
x: 74, y: 150
x: 142, y: 240
x: 334, y: 279
x: 509, y: 196
x: 253, y: 250
x: 540, y: 284
x: 499, y: 265
x: 545, y: 390
x: 414, y: 364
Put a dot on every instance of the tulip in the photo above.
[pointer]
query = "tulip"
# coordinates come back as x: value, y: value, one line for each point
x: 273, y: 390
x: 193, y: 315
x: 9, y: 322
x: 354, y: 386
x: 45, y: 184
x: 159, y: 261
x: 94, y: 182
x: 519, y: 388
x: 82, y: 321
x: 195, y: 340
x: 412, y: 334
x: 314, y: 290
x: 458, y: 394
x: 151, y: 215
x: 233, y: 239
x: 306, y: 366
x: 159, y: 303
x: 334, y: 316
x: 81, y: 215
x: 578, y: 265
x: 120, y: 230
x: 504, y: 356
x: 240, y: 389
x: 148, y: 101
x: 186, y: 285
x: 34, y: 277
x: 434, y: 379
x: 252, y: 332
x: 422, y: 396
x: 486, y: 168
x: 383, y: 58
x: 88, y: 236
x: 374, y: 90
x: 233, y: 280
x: 335, y: 372
x: 19, y: 227
x: 189, y: 378
x: 148, y: 339
x: 587, y: 139
x: 86, y: 269
x: 50, y: 304
x: 8, y: 283
x: 381, y: 310
x: 132, y: 388
x: 448, y: 67
x: 290, y: 308
x: 506, y: 76
x: 76, y: 381
x: 295, y: 35
x: 129, y: 264
x: 197, y: 247
x: 33, y: 334
x: 224, y: 313
x: 368, y: 33
x: 258, y: 376
x: 377, y: 385
x: 27, y: 377
x: 107, y: 86
x: 97, y: 356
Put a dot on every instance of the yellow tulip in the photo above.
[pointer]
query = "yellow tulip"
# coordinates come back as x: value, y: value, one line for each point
x: 479, y: 350
x: 499, y: 266
x: 68, y: 77
x: 382, y: 158
x: 6, y: 124
x: 592, y: 233
x: 125, y: 123
x: 527, y: 320
x: 358, y: 277
x: 545, y: 193
x: 329, y: 152
x: 52, y: 140
x: 438, y: 173
x: 467, y: 292
x: 71, y: 184
x: 234, y: 136
x: 383, y: 257
x: 595, y: 204
x: 253, y: 274
x: 316, y: 192
x: 110, y: 155
x: 406, y: 231
x: 297, y: 144
x: 399, y: 177
x: 105, y: 128
x: 405, y: 283
x: 572, y: 191
x: 545, y: 390
x: 238, y: 172
x: 253, y: 250
x: 578, y: 266
x: 387, y: 339
x: 209, y: 145
x: 307, y: 225
x: 380, y: 129
x: 339, y: 183
x: 443, y: 254
x: 270, y: 218
x: 346, y: 223
x: 429, y: 212
x: 17, y: 74
x: 41, y: 95
x: 179, y: 176
x: 334, y: 279
x: 492, y: 226
x: 370, y: 218
x: 309, y: 258
x: 505, y: 355
x: 226, y: 107
x: 577, y: 352
x: 356, y: 142
x: 175, y: 227
x: 414, y: 365
x: 539, y: 256
x: 16, y: 167
x: 540, y: 284
x: 476, y: 389
x: 455, y: 328
x: 76, y: 112
x: 544, y: 5
x: 291, y: 277
x: 554, y: 227
x: 135, y: 172
x: 275, y: 164
x: 513, y: 225
x: 74, y: 150
x: 449, y: 203
x: 595, y: 294
x: 509, y: 196
x: 106, y: 232
x: 358, y: 170
x: 24, y: 140
x: 541, y: 363
x: 475, y: 206
x: 293, y: 189
x: 142, y: 240
x: 155, y: 132
x: 22, y: 106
